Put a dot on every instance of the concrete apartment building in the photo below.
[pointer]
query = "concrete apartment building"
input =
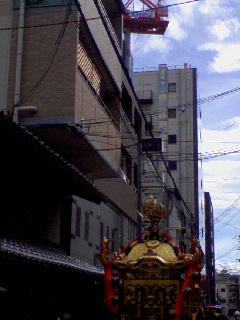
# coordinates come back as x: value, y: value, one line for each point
x: 168, y: 100
x: 210, y: 289
x: 70, y: 124
x: 227, y: 292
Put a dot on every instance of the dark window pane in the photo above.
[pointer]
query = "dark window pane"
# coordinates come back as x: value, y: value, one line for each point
x: 101, y: 231
x: 113, y: 238
x: 172, y: 113
x: 86, y: 233
x: 172, y: 87
x: 78, y: 222
x: 172, y: 165
x: 172, y: 138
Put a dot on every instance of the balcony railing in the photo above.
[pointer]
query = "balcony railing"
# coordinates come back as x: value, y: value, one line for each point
x: 108, y: 24
x: 88, y: 68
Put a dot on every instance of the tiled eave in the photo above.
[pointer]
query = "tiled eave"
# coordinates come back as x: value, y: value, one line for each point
x: 45, y: 255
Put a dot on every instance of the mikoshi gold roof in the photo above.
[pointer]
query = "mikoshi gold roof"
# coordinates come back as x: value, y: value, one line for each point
x: 150, y: 251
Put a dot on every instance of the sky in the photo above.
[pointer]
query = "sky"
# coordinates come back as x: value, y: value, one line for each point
x: 206, y: 35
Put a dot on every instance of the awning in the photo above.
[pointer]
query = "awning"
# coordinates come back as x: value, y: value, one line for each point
x: 27, y: 159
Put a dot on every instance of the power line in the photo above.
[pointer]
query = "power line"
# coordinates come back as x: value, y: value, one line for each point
x: 226, y: 212
x: 43, y: 76
x: 57, y: 44
x: 163, y: 109
x: 88, y: 19
x: 228, y: 252
x: 167, y: 170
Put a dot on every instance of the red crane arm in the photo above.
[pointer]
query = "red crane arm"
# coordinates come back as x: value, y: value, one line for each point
x: 127, y: 4
x: 149, y: 4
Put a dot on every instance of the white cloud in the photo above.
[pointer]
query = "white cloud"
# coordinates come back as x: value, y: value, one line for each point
x: 219, y: 30
x: 231, y: 267
x: 226, y: 138
x: 222, y: 29
x: 221, y: 175
x: 174, y: 30
x: 184, y: 14
x: 220, y: 178
x: 187, y: 11
x: 149, y: 43
x: 227, y: 57
x: 213, y: 9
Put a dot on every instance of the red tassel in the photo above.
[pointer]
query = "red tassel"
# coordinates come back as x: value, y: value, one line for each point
x: 109, y: 290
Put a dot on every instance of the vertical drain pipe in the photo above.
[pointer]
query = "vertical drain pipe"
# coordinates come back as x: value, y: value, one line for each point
x: 19, y: 53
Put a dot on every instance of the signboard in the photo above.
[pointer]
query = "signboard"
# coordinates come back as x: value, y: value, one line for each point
x: 154, y: 145
x: 156, y: 192
x: 143, y: 14
x: 150, y: 178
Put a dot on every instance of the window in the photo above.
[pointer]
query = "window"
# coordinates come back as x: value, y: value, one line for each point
x: 172, y: 113
x: 113, y: 238
x: 137, y: 123
x: 101, y: 232
x: 86, y: 233
x: 232, y: 301
x: 172, y: 165
x: 172, y: 87
x: 172, y: 138
x: 223, y: 290
x: 78, y: 222
x: 126, y: 165
x: 127, y: 103
x: 97, y: 262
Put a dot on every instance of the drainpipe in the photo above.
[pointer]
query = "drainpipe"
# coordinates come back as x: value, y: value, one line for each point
x: 18, y: 110
x: 19, y: 53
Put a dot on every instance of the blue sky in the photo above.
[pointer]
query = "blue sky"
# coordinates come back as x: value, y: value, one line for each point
x: 206, y: 35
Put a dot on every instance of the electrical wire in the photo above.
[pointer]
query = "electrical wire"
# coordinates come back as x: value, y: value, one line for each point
x: 168, y: 171
x: 88, y: 19
x: 127, y: 120
x: 224, y: 224
x: 152, y: 136
x: 57, y: 44
x: 225, y: 212
x: 228, y: 252
x: 163, y: 109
